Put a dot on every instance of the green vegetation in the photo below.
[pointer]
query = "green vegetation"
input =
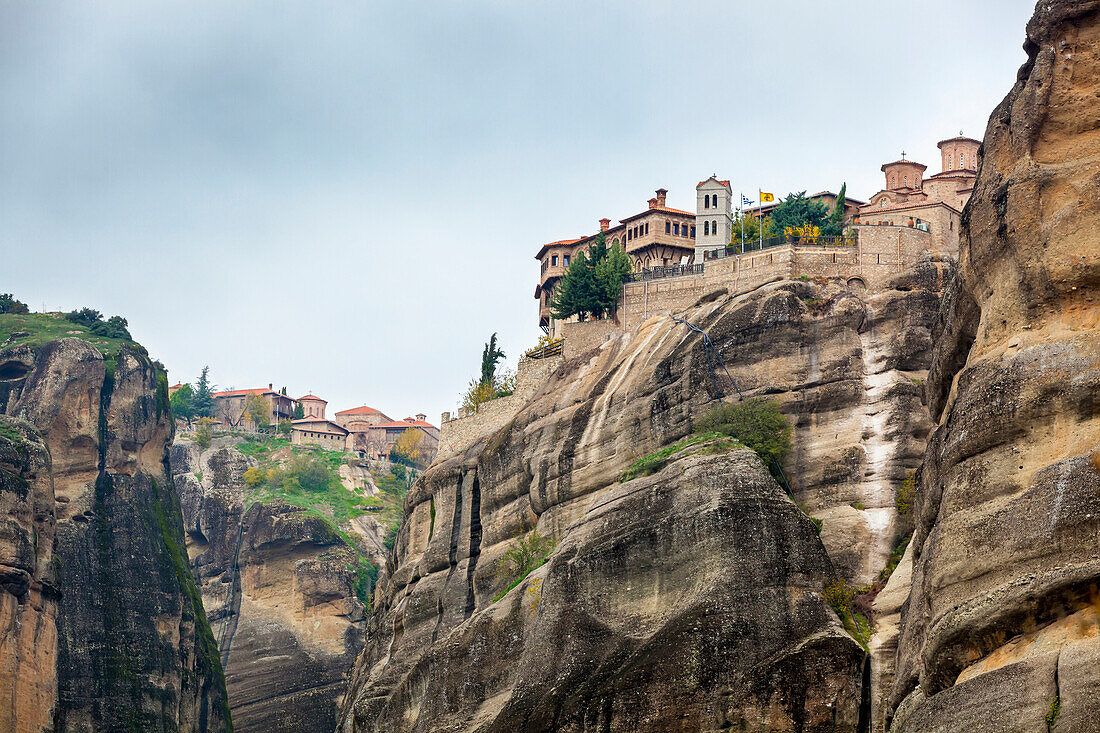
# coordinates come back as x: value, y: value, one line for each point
x: 489, y: 385
x: 204, y: 391
x: 1054, y: 713
x: 309, y: 482
x: 9, y: 304
x: 903, y: 500
x: 38, y: 329
x: 113, y: 327
x: 796, y: 210
x: 892, y: 562
x: 857, y: 505
x: 257, y: 410
x: 183, y: 403
x: 839, y: 595
x: 656, y: 460
x: 592, y: 281
x: 834, y: 225
x: 366, y: 574
x: 756, y: 423
x: 523, y: 557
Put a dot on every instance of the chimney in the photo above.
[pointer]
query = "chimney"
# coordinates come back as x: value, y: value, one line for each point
x: 421, y: 416
x: 653, y: 203
x: 604, y: 224
x: 661, y: 194
x: 270, y: 387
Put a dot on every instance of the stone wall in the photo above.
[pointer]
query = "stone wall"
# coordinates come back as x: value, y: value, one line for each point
x: 882, y: 253
x: 457, y: 434
x: 580, y: 337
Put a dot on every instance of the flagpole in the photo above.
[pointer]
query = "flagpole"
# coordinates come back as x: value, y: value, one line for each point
x: 760, y: 214
x: 741, y: 210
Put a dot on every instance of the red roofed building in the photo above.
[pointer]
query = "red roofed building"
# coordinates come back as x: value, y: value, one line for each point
x: 229, y: 406
x: 312, y: 406
x: 372, y: 433
x: 655, y: 237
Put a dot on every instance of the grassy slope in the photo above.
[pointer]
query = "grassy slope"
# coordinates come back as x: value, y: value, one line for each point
x: 45, y: 327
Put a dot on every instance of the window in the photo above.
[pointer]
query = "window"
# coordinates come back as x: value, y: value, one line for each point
x: 628, y: 235
x: 714, y: 227
x: 554, y: 261
x: 714, y: 201
x: 565, y: 260
x: 706, y: 228
x: 647, y: 227
x: 905, y: 181
x: 706, y: 201
x: 668, y: 227
x: 676, y: 229
x: 693, y: 231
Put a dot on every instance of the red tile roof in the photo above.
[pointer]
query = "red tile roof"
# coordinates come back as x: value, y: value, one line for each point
x: 559, y: 243
x: 724, y: 183
x: 241, y: 392
x: 404, y: 424
x: 363, y: 410
x: 312, y: 397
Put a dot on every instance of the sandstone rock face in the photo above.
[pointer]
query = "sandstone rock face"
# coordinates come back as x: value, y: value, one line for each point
x: 28, y: 584
x: 130, y: 647
x: 278, y: 585
x: 1000, y: 629
x: 655, y: 580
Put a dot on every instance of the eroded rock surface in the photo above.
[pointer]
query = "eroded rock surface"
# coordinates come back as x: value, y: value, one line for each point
x: 131, y: 648
x: 279, y: 587
x: 1000, y: 629
x: 598, y: 638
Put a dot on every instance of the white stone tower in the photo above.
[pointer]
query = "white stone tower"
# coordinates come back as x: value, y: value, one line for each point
x: 713, y: 216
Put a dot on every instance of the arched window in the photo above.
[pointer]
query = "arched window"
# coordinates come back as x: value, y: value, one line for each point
x: 893, y: 181
x: 714, y: 227
x: 905, y: 181
x: 676, y: 229
x: 706, y: 201
x: 706, y: 228
x: 668, y: 227
x: 715, y: 201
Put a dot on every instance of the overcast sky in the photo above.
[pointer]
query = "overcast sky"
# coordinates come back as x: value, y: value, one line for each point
x: 346, y: 198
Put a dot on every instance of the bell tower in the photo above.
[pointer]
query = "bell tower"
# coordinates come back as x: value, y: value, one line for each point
x: 713, y: 216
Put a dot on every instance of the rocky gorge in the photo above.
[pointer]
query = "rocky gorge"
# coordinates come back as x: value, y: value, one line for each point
x: 924, y: 558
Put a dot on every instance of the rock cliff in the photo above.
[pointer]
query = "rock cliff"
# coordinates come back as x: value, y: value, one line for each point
x: 1000, y: 630
x: 686, y: 600
x: 104, y: 629
x: 281, y: 588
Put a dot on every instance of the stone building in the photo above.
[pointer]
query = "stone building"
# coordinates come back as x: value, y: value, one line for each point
x: 318, y: 431
x: 932, y: 204
x: 229, y: 407
x: 713, y: 216
x: 372, y: 433
x: 658, y: 236
x: 312, y: 406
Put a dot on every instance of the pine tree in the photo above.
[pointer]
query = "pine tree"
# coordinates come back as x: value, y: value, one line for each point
x: 490, y: 355
x: 204, y: 390
x: 592, y: 282
x: 834, y: 227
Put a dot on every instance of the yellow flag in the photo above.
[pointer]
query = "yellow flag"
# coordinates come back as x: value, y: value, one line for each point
x: 766, y: 197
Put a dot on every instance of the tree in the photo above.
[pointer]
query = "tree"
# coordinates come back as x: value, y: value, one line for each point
x: 490, y: 355
x: 115, y: 327
x: 183, y: 403
x: 204, y: 394
x: 592, y: 282
x: 299, y: 411
x: 611, y: 271
x: 477, y: 393
x: 85, y: 316
x: 834, y: 227
x: 756, y: 423
x: 258, y: 410
x: 202, y: 433
x: 798, y: 211
x: 9, y: 304
x: 411, y: 449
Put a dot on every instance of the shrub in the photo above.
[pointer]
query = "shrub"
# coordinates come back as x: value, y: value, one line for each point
x: 9, y: 304
x: 756, y: 423
x: 523, y: 556
x: 202, y: 436
x: 903, y: 500
x: 255, y: 476
x: 115, y: 327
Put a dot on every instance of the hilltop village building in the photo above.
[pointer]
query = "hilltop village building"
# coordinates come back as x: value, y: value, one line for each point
x: 363, y: 430
x: 670, y: 245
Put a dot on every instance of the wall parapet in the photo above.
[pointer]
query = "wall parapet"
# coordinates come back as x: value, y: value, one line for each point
x: 460, y: 432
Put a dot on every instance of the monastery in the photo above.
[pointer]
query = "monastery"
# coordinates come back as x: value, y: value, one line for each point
x: 676, y: 254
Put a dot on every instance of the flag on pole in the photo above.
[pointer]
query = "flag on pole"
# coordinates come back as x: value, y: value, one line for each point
x: 745, y: 201
x: 765, y: 197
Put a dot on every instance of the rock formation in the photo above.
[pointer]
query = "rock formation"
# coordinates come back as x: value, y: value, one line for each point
x: 280, y: 588
x: 654, y: 580
x: 1000, y: 631
x: 103, y: 627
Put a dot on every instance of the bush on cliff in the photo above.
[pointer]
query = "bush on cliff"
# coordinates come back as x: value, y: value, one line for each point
x: 523, y: 557
x: 756, y: 423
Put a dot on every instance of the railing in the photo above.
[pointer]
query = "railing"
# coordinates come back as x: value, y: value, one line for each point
x: 656, y: 273
x: 756, y: 245
x: 544, y: 352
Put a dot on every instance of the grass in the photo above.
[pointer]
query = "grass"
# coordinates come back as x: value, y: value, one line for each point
x: 42, y: 328
x: 524, y: 556
x: 839, y: 595
x: 656, y: 460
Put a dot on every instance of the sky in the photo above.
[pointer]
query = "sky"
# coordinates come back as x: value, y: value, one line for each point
x: 346, y: 198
